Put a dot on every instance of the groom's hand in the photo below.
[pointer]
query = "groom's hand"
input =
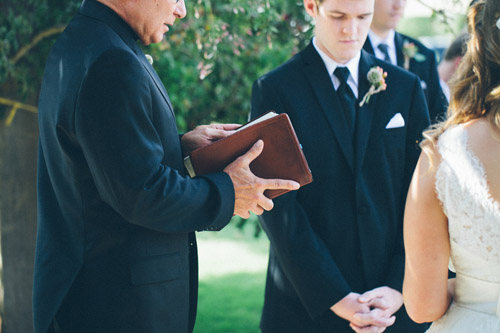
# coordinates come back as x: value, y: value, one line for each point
x: 348, y: 307
x: 387, y: 299
x: 249, y: 189
x: 383, y: 302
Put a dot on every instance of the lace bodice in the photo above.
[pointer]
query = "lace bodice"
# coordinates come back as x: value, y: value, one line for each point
x: 474, y: 229
x: 473, y: 216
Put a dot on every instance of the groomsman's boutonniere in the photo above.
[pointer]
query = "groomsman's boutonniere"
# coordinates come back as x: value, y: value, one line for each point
x: 376, y: 76
x: 410, y: 51
x: 150, y: 59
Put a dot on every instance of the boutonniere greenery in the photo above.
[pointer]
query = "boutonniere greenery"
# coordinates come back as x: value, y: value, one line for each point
x: 376, y: 76
x: 149, y: 59
x: 410, y: 51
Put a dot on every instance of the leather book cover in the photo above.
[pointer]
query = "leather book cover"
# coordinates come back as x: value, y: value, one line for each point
x: 282, y: 156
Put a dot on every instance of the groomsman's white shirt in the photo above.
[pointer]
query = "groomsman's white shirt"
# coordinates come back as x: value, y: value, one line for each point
x: 389, y: 41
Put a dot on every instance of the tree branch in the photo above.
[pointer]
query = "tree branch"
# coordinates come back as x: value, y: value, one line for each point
x: 16, y: 106
x: 25, y: 49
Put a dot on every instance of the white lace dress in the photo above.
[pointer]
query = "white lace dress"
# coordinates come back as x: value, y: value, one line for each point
x: 474, y: 228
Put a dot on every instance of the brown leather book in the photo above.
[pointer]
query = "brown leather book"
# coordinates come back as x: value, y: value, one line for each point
x: 281, y: 158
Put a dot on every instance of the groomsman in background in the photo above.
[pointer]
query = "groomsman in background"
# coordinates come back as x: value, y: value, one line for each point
x: 452, y: 57
x: 389, y: 45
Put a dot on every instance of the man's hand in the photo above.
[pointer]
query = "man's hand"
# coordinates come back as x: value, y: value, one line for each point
x: 383, y: 303
x: 348, y: 307
x: 371, y: 312
x: 249, y: 189
x: 204, y: 135
x: 384, y: 298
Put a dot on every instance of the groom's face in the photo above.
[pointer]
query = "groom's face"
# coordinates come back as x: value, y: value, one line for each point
x: 341, y: 26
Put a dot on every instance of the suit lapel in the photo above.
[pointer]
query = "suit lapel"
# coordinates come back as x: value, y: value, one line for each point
x: 399, y: 41
x: 319, y: 79
x: 155, y: 78
x: 365, y: 113
x: 368, y: 47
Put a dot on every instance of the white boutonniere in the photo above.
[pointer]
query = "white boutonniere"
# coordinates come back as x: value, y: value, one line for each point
x: 150, y: 59
x: 498, y: 23
x: 410, y: 51
x: 376, y: 76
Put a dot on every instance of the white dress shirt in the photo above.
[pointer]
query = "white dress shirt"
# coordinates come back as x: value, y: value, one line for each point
x: 389, y: 41
x: 331, y: 65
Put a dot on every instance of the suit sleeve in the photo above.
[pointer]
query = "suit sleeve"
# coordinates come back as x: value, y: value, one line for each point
x: 418, y: 121
x: 119, y: 139
x: 437, y: 101
x: 302, y: 255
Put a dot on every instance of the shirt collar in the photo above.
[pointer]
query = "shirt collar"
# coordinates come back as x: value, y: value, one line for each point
x: 389, y: 39
x: 103, y: 13
x: 331, y: 65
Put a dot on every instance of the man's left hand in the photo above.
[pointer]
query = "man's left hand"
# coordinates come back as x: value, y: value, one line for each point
x: 383, y: 301
x: 204, y: 135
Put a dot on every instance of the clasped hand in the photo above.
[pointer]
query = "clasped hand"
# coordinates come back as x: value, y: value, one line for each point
x: 371, y: 312
x: 248, y: 188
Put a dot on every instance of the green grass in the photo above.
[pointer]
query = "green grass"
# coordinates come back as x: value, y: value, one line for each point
x: 230, y: 304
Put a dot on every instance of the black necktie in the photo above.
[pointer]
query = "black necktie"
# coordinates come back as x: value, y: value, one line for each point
x: 384, y: 48
x: 346, y: 96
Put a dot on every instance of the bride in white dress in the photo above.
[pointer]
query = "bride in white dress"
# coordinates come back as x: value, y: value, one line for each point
x: 452, y: 208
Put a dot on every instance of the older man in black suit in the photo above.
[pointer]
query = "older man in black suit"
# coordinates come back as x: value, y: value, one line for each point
x: 336, y: 258
x: 401, y: 50
x: 116, y: 250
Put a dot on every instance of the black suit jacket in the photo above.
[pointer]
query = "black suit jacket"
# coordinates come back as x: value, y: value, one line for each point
x: 426, y: 70
x: 343, y: 232
x: 115, y: 250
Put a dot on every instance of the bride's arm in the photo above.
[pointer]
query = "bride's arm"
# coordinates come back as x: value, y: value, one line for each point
x: 427, y: 246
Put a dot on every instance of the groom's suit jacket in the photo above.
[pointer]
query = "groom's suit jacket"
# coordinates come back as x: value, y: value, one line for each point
x: 343, y: 232
x: 115, y: 249
x: 425, y: 69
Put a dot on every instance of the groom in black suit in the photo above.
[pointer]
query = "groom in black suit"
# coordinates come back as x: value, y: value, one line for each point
x: 116, y: 250
x: 336, y: 257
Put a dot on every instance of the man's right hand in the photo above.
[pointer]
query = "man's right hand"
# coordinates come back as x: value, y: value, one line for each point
x: 249, y: 189
x: 362, y: 318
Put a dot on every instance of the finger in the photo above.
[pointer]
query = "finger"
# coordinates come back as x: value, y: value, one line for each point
x: 276, y: 184
x: 265, y: 203
x: 366, y: 329
x: 253, y: 152
x: 243, y: 215
x: 369, y: 295
x: 375, y: 317
x: 217, y: 134
x: 227, y: 127
x: 258, y: 210
x: 378, y: 302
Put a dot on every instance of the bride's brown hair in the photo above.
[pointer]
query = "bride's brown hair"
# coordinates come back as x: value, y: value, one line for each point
x: 475, y: 86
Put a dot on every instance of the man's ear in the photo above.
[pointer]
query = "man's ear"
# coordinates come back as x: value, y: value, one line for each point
x: 311, y: 7
x: 457, y: 62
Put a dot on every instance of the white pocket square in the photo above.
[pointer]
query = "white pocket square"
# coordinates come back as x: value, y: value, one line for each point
x: 396, y: 121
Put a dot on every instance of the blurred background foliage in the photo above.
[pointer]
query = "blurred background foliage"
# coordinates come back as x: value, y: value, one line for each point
x: 210, y: 59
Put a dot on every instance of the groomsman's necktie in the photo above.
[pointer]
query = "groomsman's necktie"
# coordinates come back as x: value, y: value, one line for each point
x: 346, y: 96
x: 384, y: 48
